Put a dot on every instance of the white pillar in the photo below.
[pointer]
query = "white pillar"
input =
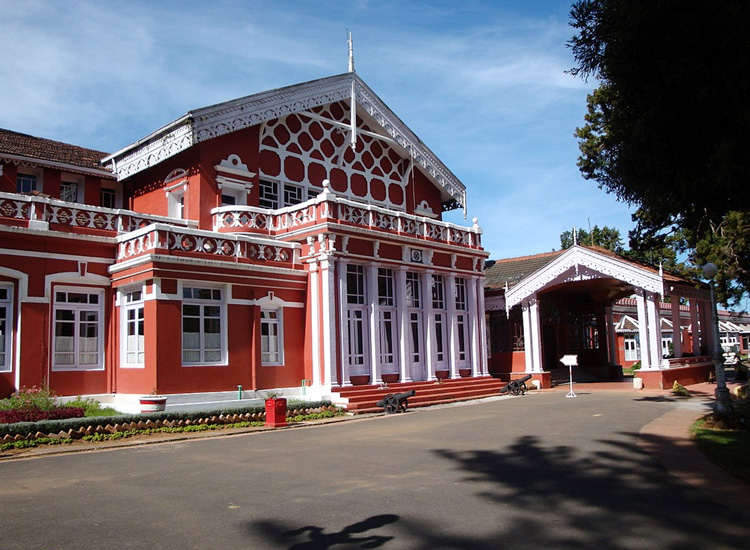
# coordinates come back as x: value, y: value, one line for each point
x: 374, y: 310
x: 527, y: 339
x: 430, y: 346
x: 536, y: 334
x: 450, y: 298
x: 473, y: 322
x: 645, y: 355
x: 328, y: 295
x: 403, y: 325
x: 694, y: 328
x: 482, y: 320
x: 676, y: 326
x: 611, y: 335
x: 654, y: 329
x: 315, y: 323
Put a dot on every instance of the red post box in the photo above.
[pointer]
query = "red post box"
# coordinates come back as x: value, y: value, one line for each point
x: 276, y: 412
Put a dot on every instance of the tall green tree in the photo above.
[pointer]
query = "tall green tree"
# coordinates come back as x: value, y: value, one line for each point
x: 605, y: 237
x: 668, y: 127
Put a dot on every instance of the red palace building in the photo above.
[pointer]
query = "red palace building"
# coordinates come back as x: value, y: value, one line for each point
x: 289, y: 239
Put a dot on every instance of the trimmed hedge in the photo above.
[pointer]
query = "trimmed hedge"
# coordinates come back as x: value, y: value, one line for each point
x: 57, y: 426
x: 11, y: 416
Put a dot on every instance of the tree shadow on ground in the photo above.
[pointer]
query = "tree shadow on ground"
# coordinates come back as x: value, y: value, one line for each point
x: 317, y: 539
x: 616, y: 498
x: 612, y: 496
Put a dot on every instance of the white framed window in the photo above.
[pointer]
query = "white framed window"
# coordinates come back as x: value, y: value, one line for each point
x: 268, y: 194
x: 176, y: 203
x: 203, y: 334
x: 413, y: 295
x: 69, y: 191
x: 107, y: 198
x: 134, y: 348
x: 387, y: 339
x: 440, y: 338
x: 438, y: 292
x: 460, y: 294
x: 356, y: 334
x: 631, y: 348
x: 385, y: 287
x: 461, y: 326
x: 6, y: 326
x: 355, y: 284
x: 78, y: 341
x: 415, y: 327
x: 27, y: 183
x: 293, y: 194
x: 271, y: 337
x: 356, y: 318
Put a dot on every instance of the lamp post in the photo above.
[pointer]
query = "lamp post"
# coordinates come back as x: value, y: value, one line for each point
x: 723, y: 404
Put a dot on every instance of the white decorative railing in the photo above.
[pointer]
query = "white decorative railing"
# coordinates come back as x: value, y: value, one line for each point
x: 171, y: 240
x: 53, y: 211
x: 329, y: 208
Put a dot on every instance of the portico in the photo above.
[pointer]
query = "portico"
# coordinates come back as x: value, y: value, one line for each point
x: 562, y: 303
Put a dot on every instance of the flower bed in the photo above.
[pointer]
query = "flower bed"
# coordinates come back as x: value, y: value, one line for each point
x: 77, y: 428
x: 10, y: 416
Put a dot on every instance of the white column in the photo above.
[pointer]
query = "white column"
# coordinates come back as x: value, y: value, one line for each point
x: 676, y: 326
x: 328, y: 294
x: 450, y: 298
x: 645, y: 355
x: 654, y: 329
x: 482, y: 321
x: 374, y: 310
x: 536, y: 334
x: 473, y: 321
x: 611, y: 335
x: 694, y: 328
x: 430, y: 347
x: 528, y: 347
x: 315, y: 323
x: 403, y: 325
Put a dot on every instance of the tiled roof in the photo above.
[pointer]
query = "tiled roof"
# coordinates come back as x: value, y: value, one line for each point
x: 512, y: 270
x: 24, y: 145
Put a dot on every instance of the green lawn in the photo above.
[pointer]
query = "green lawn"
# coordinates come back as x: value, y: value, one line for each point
x: 727, y: 442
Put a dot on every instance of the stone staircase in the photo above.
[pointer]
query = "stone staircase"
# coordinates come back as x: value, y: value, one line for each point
x: 363, y: 399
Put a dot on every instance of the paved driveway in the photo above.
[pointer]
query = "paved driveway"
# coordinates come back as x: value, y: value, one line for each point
x: 534, y: 472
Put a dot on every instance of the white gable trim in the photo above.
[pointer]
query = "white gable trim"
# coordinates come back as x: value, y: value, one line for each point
x: 582, y: 264
x: 231, y: 116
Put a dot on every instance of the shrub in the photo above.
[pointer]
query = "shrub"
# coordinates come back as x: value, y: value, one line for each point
x: 11, y: 416
x: 55, y: 426
x: 92, y: 407
x: 33, y: 398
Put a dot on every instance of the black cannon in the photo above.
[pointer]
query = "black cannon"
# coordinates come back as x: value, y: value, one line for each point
x: 517, y: 387
x: 393, y: 403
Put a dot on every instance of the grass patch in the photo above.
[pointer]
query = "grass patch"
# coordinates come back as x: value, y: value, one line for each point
x: 726, y: 441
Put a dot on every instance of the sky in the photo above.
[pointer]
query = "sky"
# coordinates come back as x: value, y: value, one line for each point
x: 483, y: 84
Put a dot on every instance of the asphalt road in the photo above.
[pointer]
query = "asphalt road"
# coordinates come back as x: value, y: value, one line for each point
x: 534, y: 472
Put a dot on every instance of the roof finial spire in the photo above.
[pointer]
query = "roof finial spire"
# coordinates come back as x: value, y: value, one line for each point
x: 575, y: 236
x: 351, y: 52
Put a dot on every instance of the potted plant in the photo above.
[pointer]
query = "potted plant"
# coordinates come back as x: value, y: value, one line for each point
x: 153, y: 402
x: 275, y: 410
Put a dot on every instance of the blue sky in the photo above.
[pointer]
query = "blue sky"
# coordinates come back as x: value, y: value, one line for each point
x: 483, y: 84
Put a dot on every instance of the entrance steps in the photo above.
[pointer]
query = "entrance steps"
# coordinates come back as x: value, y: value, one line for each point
x: 363, y: 399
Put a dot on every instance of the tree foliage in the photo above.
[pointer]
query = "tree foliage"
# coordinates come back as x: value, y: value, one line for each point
x: 605, y: 237
x: 668, y: 127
